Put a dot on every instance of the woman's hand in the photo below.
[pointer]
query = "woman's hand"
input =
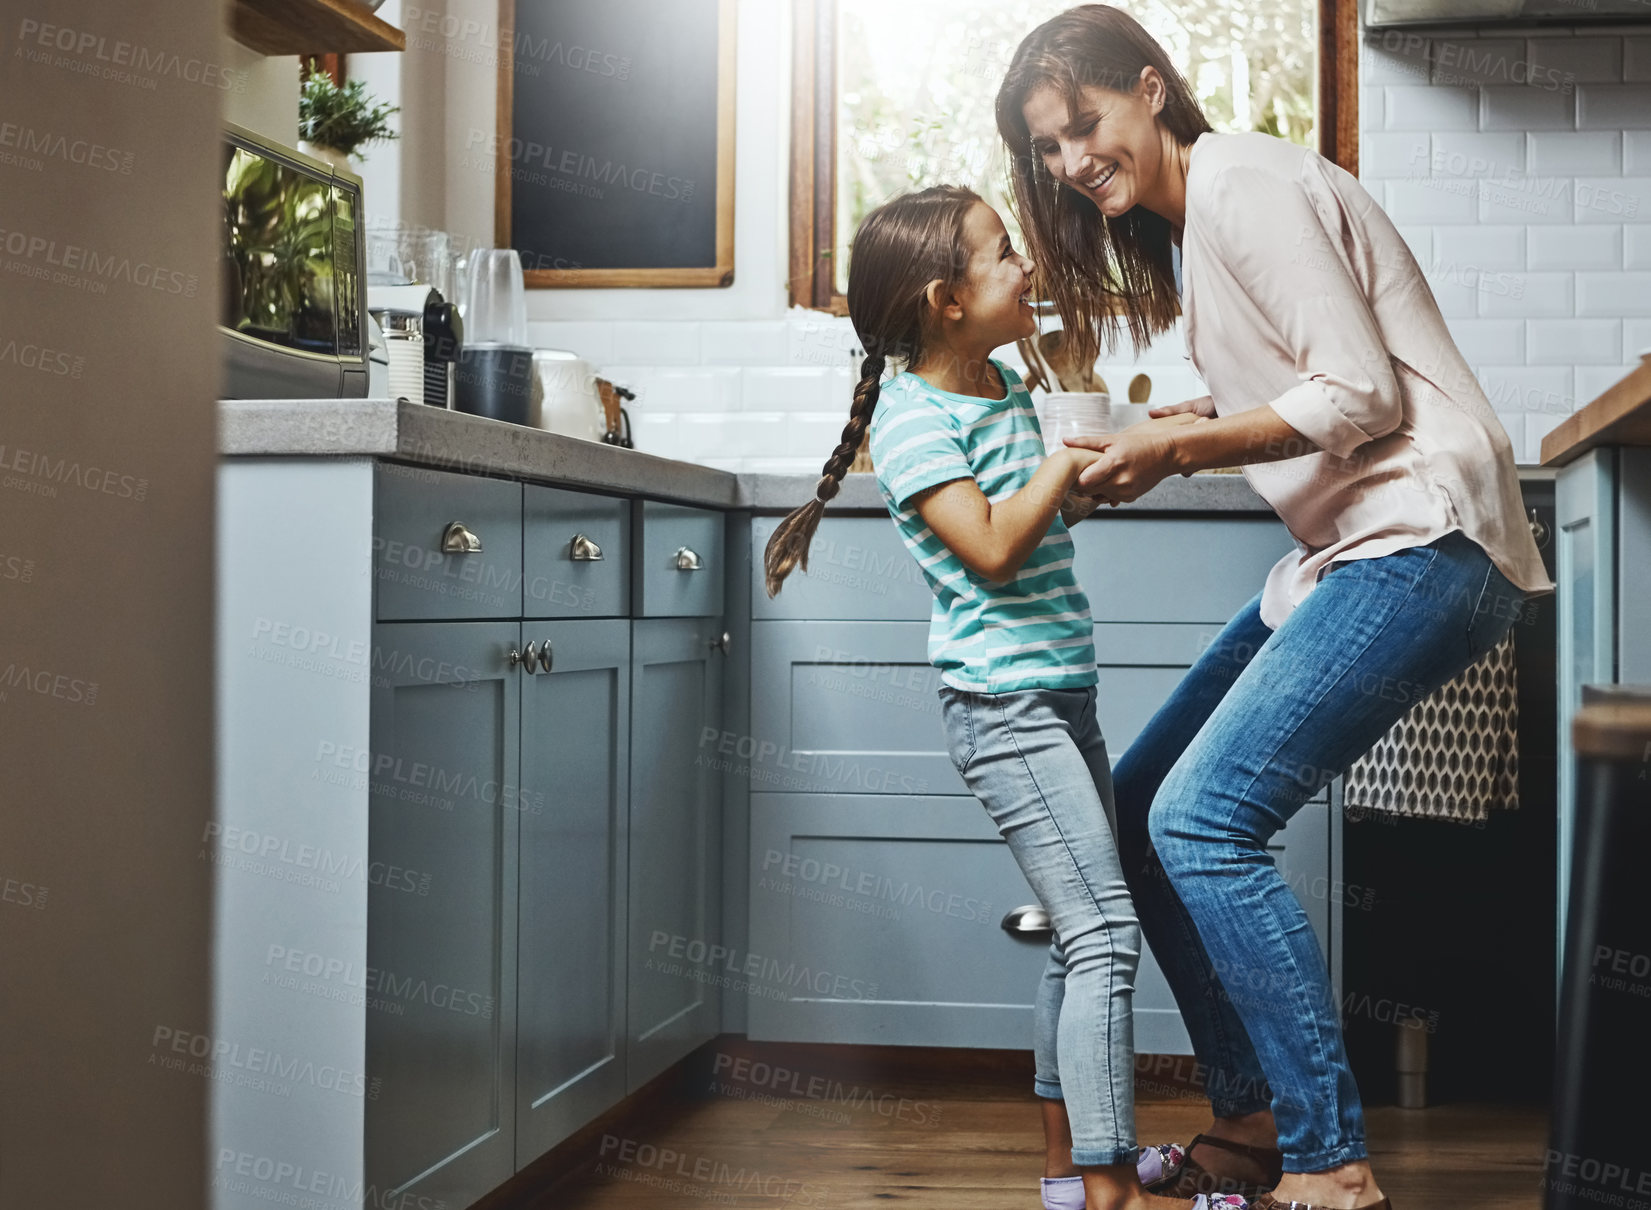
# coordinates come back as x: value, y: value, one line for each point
x: 1133, y: 462
x: 1204, y: 405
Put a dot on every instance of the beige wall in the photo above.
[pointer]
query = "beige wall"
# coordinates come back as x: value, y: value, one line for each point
x: 107, y: 377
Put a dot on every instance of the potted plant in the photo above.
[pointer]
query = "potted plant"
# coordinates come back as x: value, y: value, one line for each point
x: 334, y: 122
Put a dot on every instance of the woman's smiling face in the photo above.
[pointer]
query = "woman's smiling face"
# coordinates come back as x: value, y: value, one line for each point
x: 1108, y: 146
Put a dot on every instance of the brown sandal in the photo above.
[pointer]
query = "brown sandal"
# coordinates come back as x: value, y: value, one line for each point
x: 1192, y: 1178
x: 1268, y: 1202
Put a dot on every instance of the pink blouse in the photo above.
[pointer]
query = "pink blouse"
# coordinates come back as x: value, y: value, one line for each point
x: 1298, y: 292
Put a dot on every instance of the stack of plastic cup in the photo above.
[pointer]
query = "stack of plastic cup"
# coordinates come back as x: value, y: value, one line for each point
x: 1066, y: 414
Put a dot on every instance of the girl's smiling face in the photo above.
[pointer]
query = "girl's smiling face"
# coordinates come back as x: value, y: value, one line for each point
x: 1108, y: 146
x: 996, y: 291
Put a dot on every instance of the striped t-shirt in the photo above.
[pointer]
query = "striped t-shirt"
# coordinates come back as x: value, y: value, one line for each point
x: 1035, y: 631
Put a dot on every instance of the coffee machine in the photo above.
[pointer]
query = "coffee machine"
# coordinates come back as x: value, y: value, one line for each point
x: 423, y: 334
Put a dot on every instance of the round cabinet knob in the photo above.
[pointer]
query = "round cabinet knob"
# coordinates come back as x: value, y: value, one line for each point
x: 724, y: 644
x: 458, y: 540
x: 546, y: 658
x: 514, y: 659
x: 688, y: 560
x: 1030, y: 922
x: 530, y: 659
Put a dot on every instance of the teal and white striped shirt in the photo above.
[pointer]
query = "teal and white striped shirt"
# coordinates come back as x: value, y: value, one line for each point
x: 1034, y: 632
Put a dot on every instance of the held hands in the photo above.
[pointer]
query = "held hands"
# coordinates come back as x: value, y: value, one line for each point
x: 1132, y: 462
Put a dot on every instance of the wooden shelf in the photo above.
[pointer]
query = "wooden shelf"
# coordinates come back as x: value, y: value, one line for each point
x: 311, y: 27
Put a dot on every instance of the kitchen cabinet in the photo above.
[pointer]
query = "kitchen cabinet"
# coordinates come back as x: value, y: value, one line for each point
x: 673, y: 998
x: 573, y: 881
x: 441, y: 909
x: 851, y: 785
x: 1602, y: 515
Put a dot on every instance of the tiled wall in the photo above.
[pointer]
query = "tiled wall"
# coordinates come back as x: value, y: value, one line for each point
x: 771, y: 395
x: 1517, y: 164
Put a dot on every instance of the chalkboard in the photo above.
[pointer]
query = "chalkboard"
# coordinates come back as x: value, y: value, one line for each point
x: 614, y: 160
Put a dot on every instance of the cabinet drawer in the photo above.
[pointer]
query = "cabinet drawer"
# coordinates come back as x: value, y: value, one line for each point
x: 564, y: 577
x: 858, y: 570
x: 1152, y: 569
x: 416, y: 580
x: 673, y: 535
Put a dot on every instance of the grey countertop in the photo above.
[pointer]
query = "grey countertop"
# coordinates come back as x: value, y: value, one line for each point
x: 412, y: 432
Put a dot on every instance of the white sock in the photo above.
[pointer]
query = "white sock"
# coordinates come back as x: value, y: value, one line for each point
x: 1063, y: 1193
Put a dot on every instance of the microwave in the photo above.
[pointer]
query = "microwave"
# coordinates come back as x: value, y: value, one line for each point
x: 293, y: 318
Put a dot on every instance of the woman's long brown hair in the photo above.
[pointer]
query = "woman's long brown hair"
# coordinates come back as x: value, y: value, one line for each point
x: 1090, y: 266
x: 899, y: 249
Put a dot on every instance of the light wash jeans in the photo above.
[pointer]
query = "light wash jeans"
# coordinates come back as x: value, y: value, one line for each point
x: 1257, y: 727
x: 1036, y: 761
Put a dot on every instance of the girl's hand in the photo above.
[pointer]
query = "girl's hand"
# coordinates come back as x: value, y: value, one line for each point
x: 1131, y: 463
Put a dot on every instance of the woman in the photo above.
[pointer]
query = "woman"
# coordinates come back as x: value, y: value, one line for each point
x: 1336, y: 385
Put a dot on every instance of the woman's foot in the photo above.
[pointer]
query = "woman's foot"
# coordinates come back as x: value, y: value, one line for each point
x: 1235, y: 1155
x: 1350, y: 1187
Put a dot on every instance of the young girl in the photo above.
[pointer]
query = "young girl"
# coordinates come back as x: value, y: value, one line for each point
x: 936, y: 286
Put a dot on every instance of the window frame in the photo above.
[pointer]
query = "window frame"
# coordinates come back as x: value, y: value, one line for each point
x: 814, y: 133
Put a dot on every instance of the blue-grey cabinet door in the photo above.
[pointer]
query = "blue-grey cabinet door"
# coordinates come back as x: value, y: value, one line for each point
x: 880, y: 920
x: 441, y: 911
x: 1585, y: 494
x: 570, y: 983
x: 845, y: 707
x: 675, y: 963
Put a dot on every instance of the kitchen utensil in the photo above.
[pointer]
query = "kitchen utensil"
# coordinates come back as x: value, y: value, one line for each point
x: 1051, y: 365
x: 1140, y: 387
x: 569, y: 402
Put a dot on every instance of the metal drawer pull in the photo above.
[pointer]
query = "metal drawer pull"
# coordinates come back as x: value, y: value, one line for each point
x: 583, y: 550
x: 530, y: 657
x: 724, y: 644
x: 687, y: 560
x: 1029, y: 921
x: 546, y: 657
x: 457, y: 540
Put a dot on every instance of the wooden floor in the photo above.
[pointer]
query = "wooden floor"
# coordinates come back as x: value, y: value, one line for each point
x: 971, y: 1143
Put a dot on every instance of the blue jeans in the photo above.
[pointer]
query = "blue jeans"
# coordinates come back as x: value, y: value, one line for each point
x: 1036, y: 761
x: 1257, y: 727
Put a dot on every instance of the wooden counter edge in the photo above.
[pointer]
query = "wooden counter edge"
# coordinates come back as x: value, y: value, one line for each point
x: 1618, y: 417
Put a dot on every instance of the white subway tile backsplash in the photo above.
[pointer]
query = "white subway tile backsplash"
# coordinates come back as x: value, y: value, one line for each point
x: 1431, y: 200
x: 1477, y: 61
x: 1613, y: 106
x: 1418, y: 239
x: 790, y: 389
x: 1529, y: 295
x: 1612, y: 199
x: 818, y: 339
x: 1526, y: 199
x: 1393, y: 57
x: 1537, y: 426
x: 1427, y: 107
x: 1636, y: 59
x: 1594, y: 381
x: 1575, y: 60
x: 813, y: 436
x: 1514, y: 423
x: 1528, y: 388
x: 654, y: 433
x: 1460, y: 153
x: 1393, y: 153
x: 1636, y: 337
x: 745, y: 344
x: 1565, y: 342
x: 1489, y: 341
x: 1455, y: 288
x: 1573, y: 153
x: 664, y: 343
x: 1482, y: 247
x: 1521, y: 107
x: 1613, y: 294
x: 686, y: 389
x: 1636, y: 152
x: 1636, y: 246
x: 1573, y: 247
x: 593, y: 341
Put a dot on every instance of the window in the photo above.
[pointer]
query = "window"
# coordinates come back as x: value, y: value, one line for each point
x: 891, y: 95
